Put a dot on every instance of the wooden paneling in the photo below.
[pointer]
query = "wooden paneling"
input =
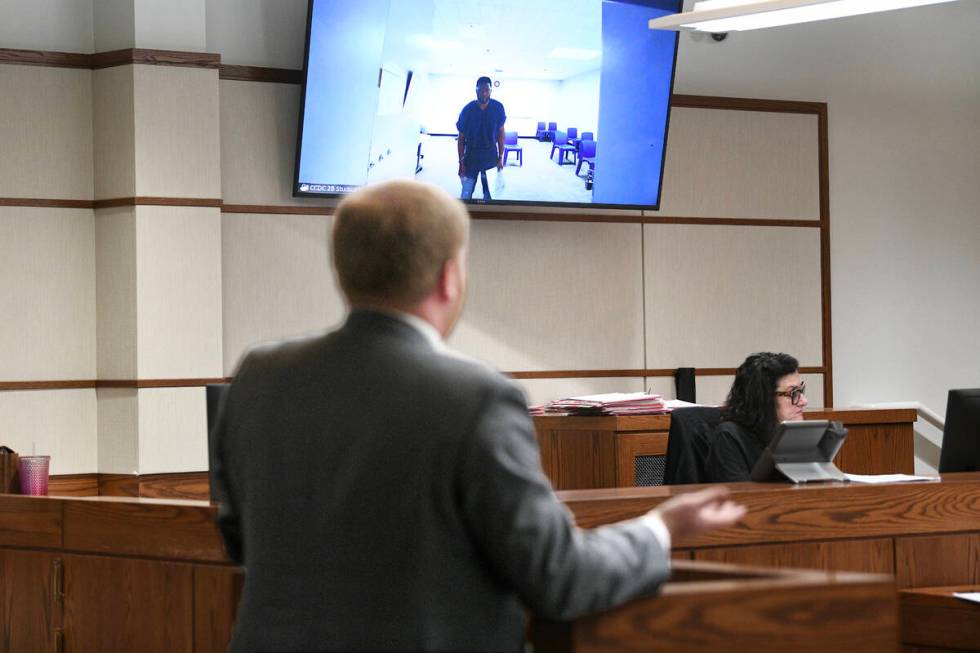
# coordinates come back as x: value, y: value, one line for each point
x: 73, y: 485
x: 879, y: 441
x: 216, y: 594
x: 258, y: 74
x: 875, y: 449
x: 143, y: 527
x: 786, y: 513
x: 123, y: 605
x: 30, y: 521
x: 190, y: 485
x: 119, y: 485
x: 743, y: 612
x: 585, y: 459
x: 936, y: 561
x: 26, y: 601
x: 155, y: 58
x: 156, y: 201
x: 933, y: 617
x: 872, y: 555
x: 631, y: 445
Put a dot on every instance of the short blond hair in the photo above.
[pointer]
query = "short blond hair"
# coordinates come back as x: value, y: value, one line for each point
x: 392, y: 239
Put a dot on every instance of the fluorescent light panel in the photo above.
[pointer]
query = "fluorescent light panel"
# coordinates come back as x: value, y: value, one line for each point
x: 740, y: 15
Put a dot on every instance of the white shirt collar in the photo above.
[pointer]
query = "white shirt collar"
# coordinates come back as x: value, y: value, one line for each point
x: 428, y: 331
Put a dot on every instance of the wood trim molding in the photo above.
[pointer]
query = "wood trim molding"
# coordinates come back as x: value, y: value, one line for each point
x: 32, y: 202
x: 280, y: 209
x: 286, y: 209
x: 534, y: 374
x: 589, y: 374
x: 45, y: 385
x: 45, y: 58
x: 260, y: 74
x: 746, y: 104
x: 177, y: 485
x: 205, y: 202
x: 155, y: 58
x: 158, y: 383
x: 825, y: 278
x: 110, y: 59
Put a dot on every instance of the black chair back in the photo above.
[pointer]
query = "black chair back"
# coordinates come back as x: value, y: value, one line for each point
x: 691, y: 430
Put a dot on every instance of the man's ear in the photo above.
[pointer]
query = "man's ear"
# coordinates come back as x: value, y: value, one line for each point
x: 449, y: 280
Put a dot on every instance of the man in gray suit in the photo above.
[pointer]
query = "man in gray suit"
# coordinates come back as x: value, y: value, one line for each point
x: 386, y: 494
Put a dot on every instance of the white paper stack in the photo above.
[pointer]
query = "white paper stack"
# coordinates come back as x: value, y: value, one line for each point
x: 613, y: 403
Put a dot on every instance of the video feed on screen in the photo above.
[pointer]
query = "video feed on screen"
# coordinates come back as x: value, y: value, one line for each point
x: 553, y: 102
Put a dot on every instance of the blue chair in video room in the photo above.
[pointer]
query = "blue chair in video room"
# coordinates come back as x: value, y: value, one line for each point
x: 511, y: 145
x: 577, y: 142
x: 586, y: 154
x: 552, y: 130
x: 563, y: 146
x: 541, y: 134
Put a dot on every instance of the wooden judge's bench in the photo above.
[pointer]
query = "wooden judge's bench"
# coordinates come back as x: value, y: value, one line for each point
x: 580, y: 453
x: 135, y: 574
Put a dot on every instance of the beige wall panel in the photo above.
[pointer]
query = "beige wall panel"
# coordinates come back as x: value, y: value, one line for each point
x: 741, y: 164
x: 178, y: 150
x: 713, y: 390
x: 114, y: 132
x: 118, y: 431
x: 541, y: 391
x: 46, y: 132
x: 716, y: 294
x: 277, y: 280
x: 62, y: 423
x: 115, y: 234
x: 258, y: 142
x: 661, y: 385
x: 47, y: 293
x: 178, y: 272
x: 553, y: 296
x: 173, y: 430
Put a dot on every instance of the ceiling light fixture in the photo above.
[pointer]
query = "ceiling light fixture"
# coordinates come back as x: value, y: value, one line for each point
x: 739, y: 15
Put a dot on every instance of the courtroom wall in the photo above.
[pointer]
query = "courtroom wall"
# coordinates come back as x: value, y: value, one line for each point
x: 903, y: 163
x: 903, y: 96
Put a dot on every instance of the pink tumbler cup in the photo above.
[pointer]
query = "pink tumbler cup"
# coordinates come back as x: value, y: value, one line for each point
x: 34, y: 475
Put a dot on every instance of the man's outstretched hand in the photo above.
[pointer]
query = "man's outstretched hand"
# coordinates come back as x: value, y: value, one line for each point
x: 699, y: 512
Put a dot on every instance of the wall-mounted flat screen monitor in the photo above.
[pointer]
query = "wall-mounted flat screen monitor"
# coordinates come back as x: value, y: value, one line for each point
x: 579, y: 99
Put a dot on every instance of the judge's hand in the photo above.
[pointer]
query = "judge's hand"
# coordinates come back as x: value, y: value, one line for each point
x: 500, y: 163
x: 462, y: 170
x: 699, y: 512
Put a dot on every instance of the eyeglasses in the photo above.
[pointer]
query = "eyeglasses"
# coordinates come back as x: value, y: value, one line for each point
x: 793, y: 393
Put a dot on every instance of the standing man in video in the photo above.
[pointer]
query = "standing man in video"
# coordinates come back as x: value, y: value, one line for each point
x: 481, y: 139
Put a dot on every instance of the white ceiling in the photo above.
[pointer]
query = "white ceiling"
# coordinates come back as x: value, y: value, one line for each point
x: 500, y: 38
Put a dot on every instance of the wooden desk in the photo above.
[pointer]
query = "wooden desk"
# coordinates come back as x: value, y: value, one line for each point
x: 120, y: 574
x: 711, y: 607
x: 934, y: 620
x: 580, y: 453
x: 926, y: 534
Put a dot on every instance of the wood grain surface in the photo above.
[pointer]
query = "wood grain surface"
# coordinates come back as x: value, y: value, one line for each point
x: 933, y: 617
x: 34, y: 522
x: 178, y: 530
x: 120, y: 605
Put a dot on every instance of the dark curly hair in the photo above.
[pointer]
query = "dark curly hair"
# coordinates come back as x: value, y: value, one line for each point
x: 751, y: 401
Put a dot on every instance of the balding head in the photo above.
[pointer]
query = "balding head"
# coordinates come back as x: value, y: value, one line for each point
x: 391, y: 242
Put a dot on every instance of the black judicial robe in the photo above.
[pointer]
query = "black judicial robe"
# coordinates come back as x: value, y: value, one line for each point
x: 733, y: 453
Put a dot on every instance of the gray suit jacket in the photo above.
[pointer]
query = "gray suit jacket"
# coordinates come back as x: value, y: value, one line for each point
x: 384, y: 496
